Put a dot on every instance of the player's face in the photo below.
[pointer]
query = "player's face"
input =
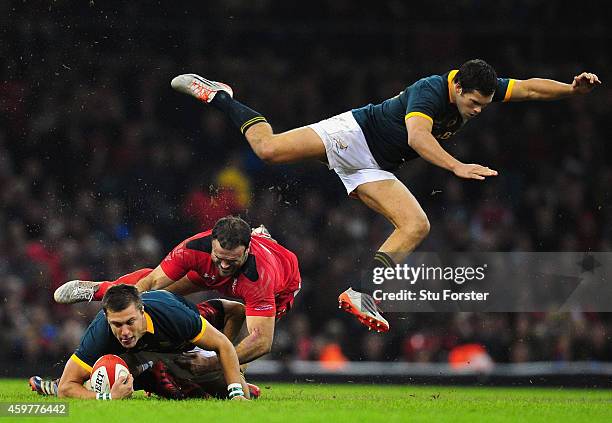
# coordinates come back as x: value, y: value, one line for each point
x: 128, y: 325
x: 471, y: 104
x: 228, y: 262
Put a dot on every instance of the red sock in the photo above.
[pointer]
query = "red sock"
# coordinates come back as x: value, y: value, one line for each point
x: 129, y: 279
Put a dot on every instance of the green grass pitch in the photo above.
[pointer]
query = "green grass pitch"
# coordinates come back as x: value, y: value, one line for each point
x: 291, y: 403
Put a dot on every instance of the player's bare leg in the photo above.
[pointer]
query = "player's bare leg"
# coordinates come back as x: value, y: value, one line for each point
x: 393, y: 200
x: 287, y: 147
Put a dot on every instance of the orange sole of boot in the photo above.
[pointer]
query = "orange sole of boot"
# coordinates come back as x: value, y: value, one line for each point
x: 372, y: 324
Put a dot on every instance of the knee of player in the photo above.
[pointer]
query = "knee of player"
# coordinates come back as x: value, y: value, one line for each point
x: 422, y: 226
x: 417, y: 227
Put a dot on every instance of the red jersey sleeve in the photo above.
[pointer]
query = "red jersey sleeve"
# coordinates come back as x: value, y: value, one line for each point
x: 179, y: 262
x: 259, y: 297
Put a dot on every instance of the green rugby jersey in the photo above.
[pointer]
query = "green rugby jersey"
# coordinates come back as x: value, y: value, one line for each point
x: 384, y: 124
x: 173, y: 324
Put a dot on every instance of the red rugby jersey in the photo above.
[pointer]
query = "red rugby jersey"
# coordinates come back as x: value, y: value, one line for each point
x: 269, y: 276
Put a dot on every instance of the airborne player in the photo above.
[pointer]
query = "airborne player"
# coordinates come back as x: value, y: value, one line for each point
x: 365, y: 146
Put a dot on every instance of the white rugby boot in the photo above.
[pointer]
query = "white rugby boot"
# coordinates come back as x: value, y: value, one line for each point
x: 198, y: 87
x: 364, y: 308
x: 75, y: 292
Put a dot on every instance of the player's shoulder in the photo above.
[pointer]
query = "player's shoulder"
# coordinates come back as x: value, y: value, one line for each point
x: 250, y: 268
x: 159, y: 295
x: 99, y: 322
x: 164, y: 302
x: 436, y: 84
x: 162, y: 297
x: 97, y: 331
x: 200, y: 242
x: 269, y: 251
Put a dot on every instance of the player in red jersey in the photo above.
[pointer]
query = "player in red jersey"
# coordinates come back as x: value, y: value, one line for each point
x: 229, y: 259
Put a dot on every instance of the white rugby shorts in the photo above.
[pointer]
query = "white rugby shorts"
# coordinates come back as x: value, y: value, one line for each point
x: 348, y: 153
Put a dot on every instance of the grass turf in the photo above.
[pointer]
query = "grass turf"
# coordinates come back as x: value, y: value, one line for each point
x: 290, y: 403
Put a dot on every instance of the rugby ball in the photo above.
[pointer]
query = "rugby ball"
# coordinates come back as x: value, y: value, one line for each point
x: 106, y: 370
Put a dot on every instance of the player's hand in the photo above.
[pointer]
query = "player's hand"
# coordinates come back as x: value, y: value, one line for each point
x: 239, y: 398
x: 584, y: 83
x: 473, y: 171
x: 197, y: 363
x: 123, y: 387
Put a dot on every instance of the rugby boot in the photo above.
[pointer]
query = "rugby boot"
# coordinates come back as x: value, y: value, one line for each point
x: 75, y: 292
x: 363, y: 307
x: 44, y: 387
x: 198, y: 87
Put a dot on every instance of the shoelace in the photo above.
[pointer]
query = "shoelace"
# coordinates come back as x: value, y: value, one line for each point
x: 86, y: 293
x: 200, y: 89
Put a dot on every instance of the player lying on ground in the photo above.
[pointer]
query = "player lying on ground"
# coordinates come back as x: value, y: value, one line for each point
x: 159, y: 374
x: 162, y: 373
x: 157, y: 321
x: 364, y: 146
x: 229, y: 259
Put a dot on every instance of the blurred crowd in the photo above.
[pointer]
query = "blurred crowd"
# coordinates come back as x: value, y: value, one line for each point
x: 103, y: 169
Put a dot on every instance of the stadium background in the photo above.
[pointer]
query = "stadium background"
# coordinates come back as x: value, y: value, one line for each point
x: 103, y: 168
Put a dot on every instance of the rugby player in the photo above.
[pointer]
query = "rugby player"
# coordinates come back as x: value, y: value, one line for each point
x: 156, y: 321
x: 163, y: 375
x: 365, y: 146
x: 229, y: 259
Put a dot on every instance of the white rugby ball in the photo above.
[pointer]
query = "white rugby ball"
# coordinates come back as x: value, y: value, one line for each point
x: 106, y: 370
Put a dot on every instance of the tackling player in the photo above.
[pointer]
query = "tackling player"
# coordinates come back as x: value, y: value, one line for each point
x: 154, y: 321
x: 365, y: 146
x: 229, y: 259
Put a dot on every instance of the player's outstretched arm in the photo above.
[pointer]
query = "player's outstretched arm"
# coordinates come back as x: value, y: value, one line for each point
x: 423, y: 142
x: 213, y: 340
x: 547, y: 89
x: 259, y: 340
x: 257, y: 343
x: 71, y: 384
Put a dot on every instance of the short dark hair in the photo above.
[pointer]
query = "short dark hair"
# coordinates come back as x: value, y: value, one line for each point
x: 232, y: 231
x: 477, y: 75
x: 119, y: 297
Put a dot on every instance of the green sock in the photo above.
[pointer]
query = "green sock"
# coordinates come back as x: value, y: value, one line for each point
x: 240, y: 115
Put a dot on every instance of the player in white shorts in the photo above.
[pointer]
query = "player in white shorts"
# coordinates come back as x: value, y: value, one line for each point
x: 364, y: 146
